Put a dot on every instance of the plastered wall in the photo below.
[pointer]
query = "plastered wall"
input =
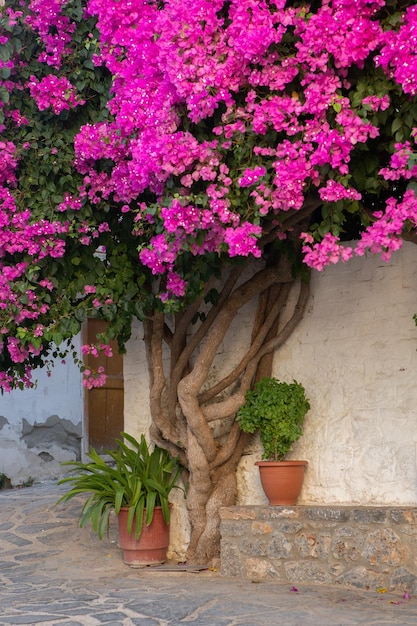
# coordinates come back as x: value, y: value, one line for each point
x: 40, y: 428
x: 356, y: 354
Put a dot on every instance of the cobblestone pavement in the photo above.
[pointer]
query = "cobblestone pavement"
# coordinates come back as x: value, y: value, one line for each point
x: 53, y: 572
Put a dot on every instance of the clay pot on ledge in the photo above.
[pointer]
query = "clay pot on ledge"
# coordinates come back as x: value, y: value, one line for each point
x: 282, y: 480
x: 277, y: 410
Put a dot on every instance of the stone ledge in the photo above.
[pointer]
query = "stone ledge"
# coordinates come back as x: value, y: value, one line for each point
x: 363, y: 547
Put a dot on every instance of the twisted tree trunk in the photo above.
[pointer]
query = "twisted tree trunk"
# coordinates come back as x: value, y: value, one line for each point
x: 193, y: 414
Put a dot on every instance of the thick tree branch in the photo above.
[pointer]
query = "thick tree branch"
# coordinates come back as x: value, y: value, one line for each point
x: 291, y: 220
x: 256, y: 344
x: 204, y: 327
x: 411, y: 236
x: 153, y: 337
x: 236, y: 437
x: 190, y: 385
x: 292, y: 323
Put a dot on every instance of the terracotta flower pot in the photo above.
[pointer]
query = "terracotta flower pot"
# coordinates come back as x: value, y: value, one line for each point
x: 152, y: 545
x: 282, y: 480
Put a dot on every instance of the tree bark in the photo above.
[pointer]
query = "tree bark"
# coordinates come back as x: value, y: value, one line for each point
x: 193, y: 419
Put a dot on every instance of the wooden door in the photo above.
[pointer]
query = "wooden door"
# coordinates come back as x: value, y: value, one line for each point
x: 104, y: 405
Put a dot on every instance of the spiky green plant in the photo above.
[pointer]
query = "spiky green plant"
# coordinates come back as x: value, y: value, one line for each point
x: 137, y: 478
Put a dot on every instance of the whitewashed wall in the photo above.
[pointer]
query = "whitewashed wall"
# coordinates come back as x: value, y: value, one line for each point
x: 137, y: 417
x: 355, y: 353
x: 40, y: 428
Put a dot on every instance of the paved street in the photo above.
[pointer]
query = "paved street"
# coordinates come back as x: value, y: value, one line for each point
x: 53, y: 572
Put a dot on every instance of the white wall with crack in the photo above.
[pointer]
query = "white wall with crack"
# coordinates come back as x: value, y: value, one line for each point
x: 42, y: 427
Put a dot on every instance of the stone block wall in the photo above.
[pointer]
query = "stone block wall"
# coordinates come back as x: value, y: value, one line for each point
x: 363, y: 547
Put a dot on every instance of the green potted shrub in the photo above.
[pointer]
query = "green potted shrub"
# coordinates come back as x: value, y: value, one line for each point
x: 277, y: 409
x: 135, y: 483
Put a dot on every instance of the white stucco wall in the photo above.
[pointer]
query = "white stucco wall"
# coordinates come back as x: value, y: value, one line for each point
x: 355, y: 353
x: 41, y: 427
x: 137, y: 416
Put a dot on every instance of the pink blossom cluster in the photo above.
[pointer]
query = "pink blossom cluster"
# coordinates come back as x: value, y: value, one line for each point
x: 376, y: 103
x: 96, y: 349
x: 8, y: 163
x: 329, y: 250
x: 200, y: 55
x: 7, y: 381
x: 13, y: 17
x: 94, y: 142
x: 384, y: 235
x: 19, y: 234
x: 251, y: 176
x: 9, y: 300
x: 161, y: 256
x: 399, y: 167
x: 398, y: 55
x: 342, y: 29
x: 8, y: 19
x: 37, y: 239
x: 95, y: 377
x: 16, y: 115
x: 334, y: 191
x: 178, y: 217
x: 54, y: 29
x: 69, y: 203
x: 89, y: 232
x: 242, y: 240
x: 54, y: 92
x: 18, y: 352
x: 175, y: 285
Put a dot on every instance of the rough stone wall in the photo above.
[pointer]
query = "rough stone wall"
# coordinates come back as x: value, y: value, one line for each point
x: 356, y: 354
x: 364, y: 547
x: 42, y: 427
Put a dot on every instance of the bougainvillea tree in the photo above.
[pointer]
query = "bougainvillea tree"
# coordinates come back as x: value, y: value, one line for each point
x: 174, y: 161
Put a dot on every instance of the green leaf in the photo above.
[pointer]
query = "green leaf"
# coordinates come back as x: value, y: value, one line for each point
x: 80, y: 314
x: 396, y: 124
